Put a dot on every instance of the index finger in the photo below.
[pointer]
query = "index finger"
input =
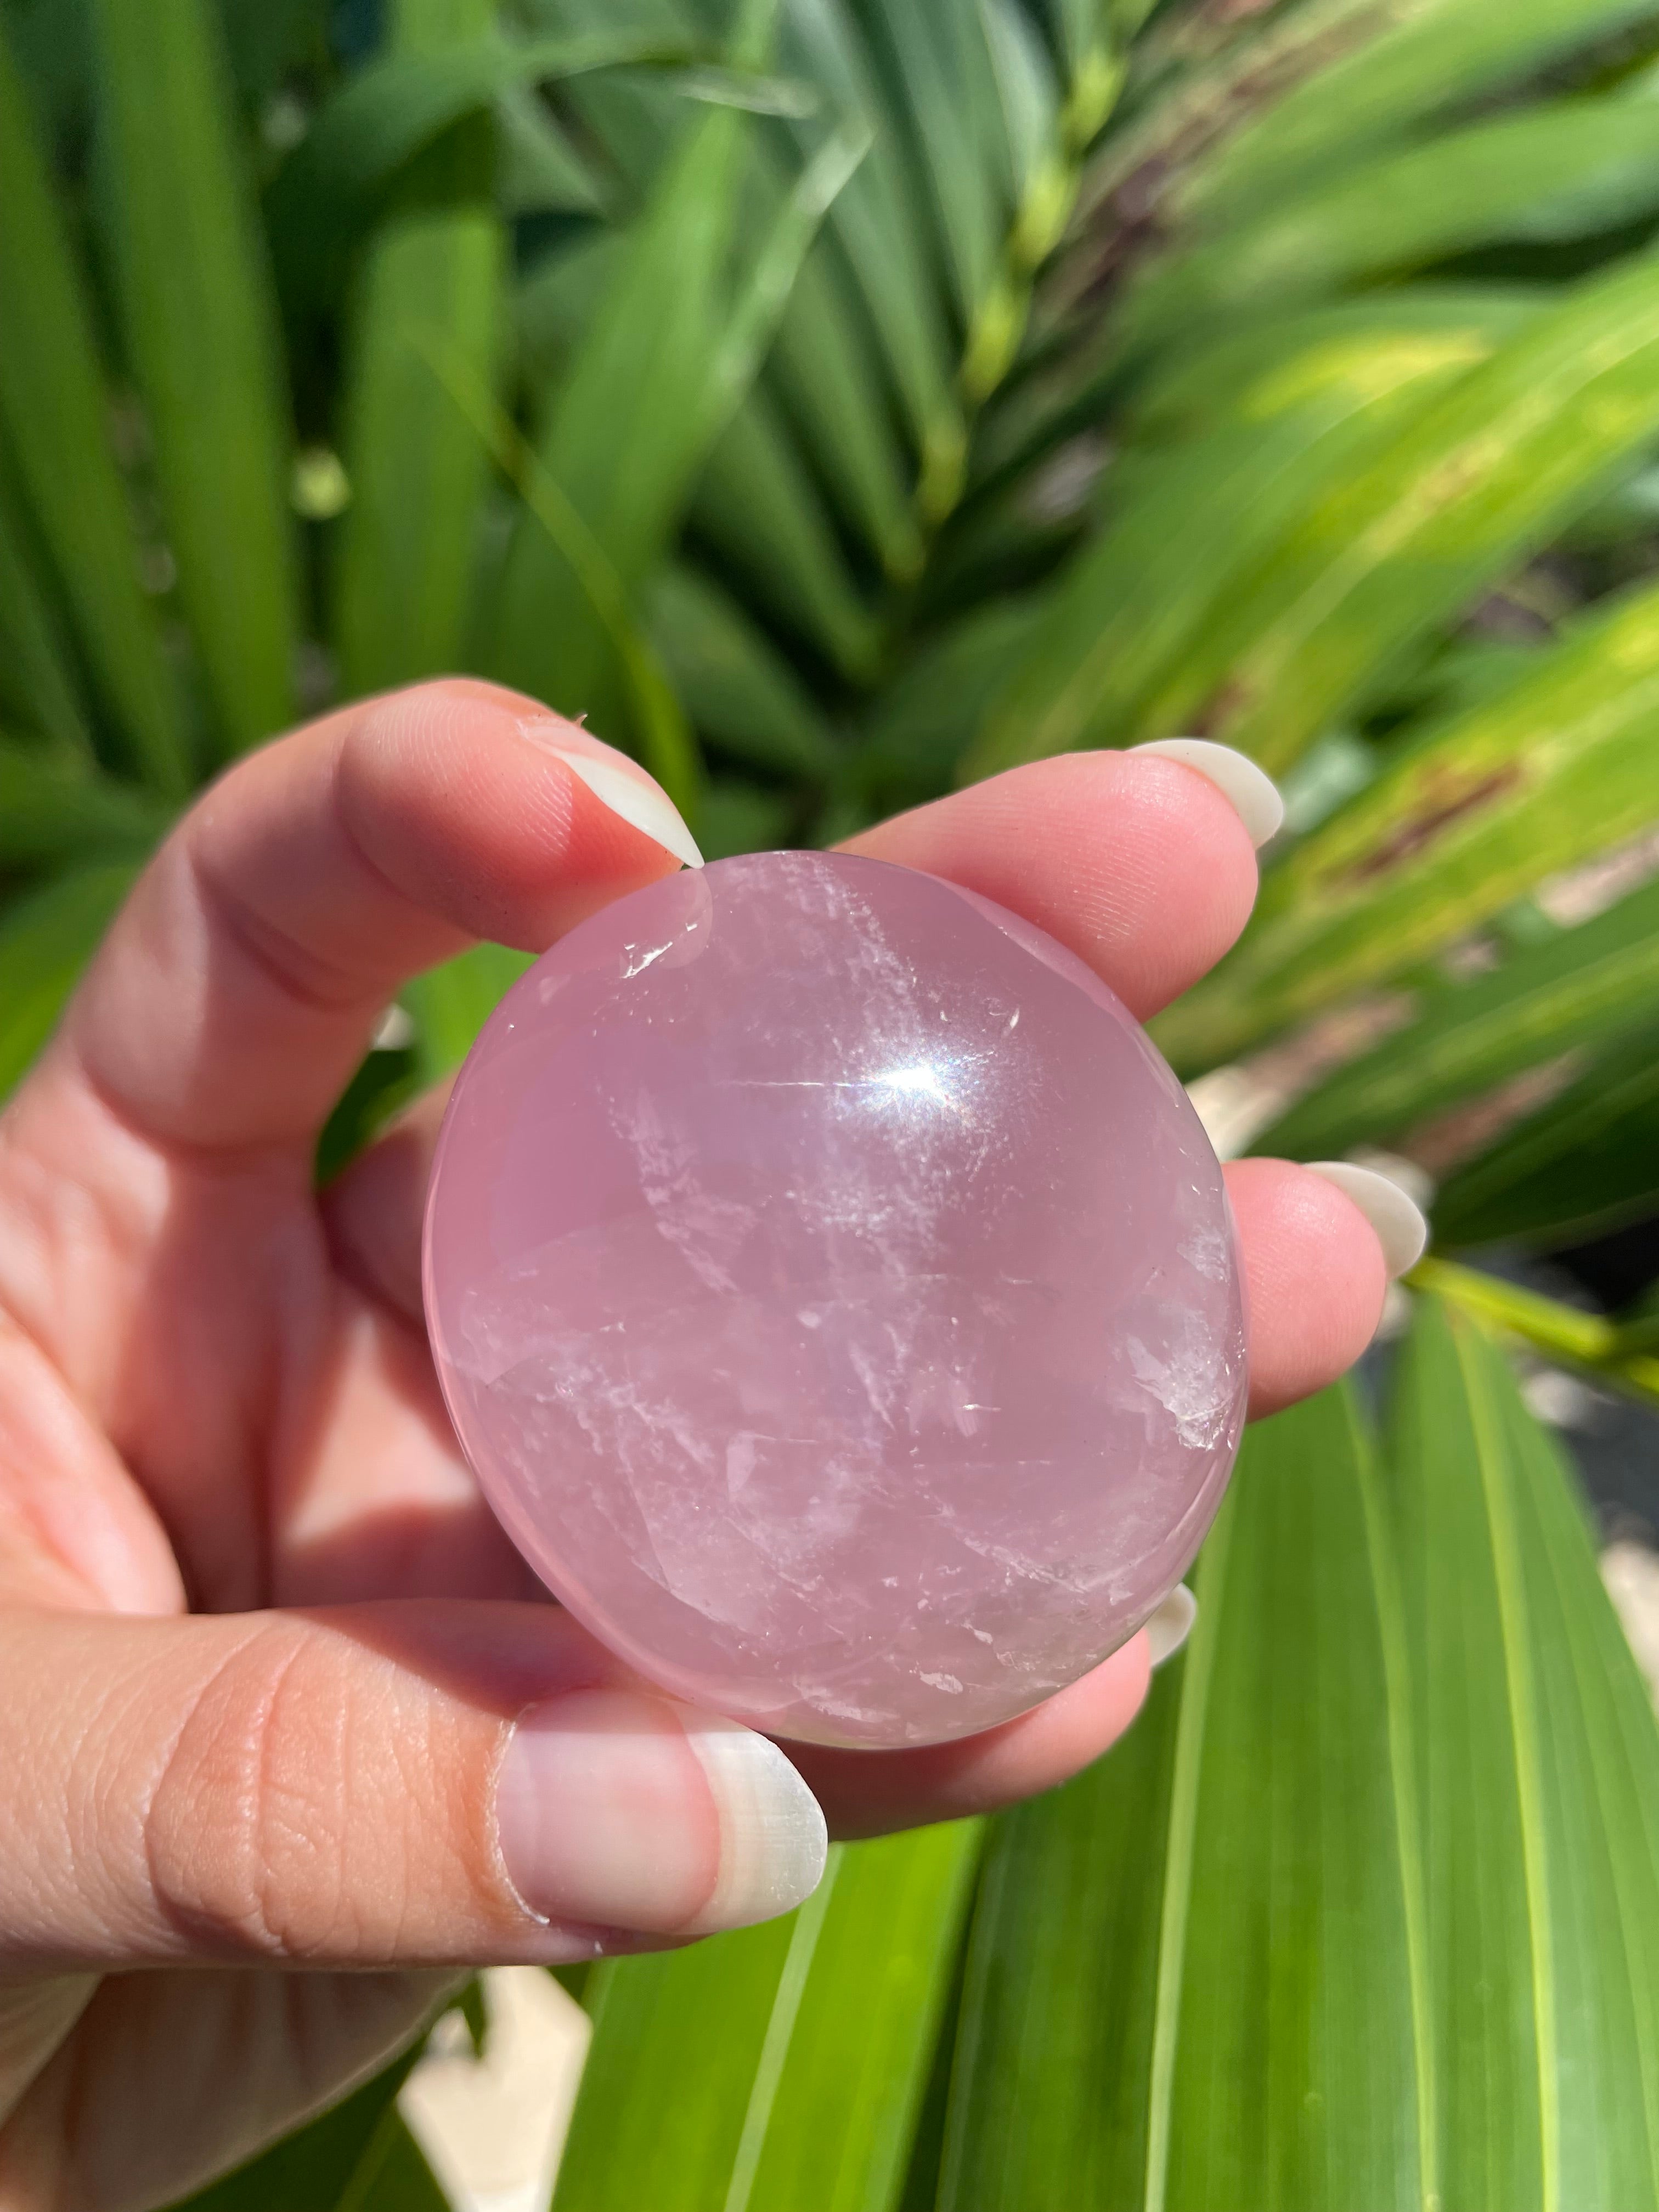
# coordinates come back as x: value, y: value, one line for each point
x: 232, y: 997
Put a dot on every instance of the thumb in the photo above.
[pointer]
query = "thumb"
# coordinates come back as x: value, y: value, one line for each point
x: 406, y: 1784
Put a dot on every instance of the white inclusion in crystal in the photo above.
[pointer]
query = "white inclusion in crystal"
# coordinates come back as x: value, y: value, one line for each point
x: 1191, y: 1384
x: 942, y: 1682
x: 740, y: 1456
x: 1205, y: 1249
x: 707, y: 1231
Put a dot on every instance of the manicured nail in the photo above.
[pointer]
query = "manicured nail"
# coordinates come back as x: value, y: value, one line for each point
x: 1402, y: 1229
x: 632, y: 1811
x: 1172, y: 1623
x: 1250, y: 790
x: 644, y: 806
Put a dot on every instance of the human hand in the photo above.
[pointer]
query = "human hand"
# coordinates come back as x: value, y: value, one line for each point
x: 279, y: 1693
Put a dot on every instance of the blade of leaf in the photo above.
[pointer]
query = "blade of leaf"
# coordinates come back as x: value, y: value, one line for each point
x: 937, y: 65
x: 1538, y: 1766
x: 1391, y: 548
x: 878, y: 224
x: 52, y: 404
x: 1440, y: 55
x: 392, y: 2174
x: 737, y: 689
x: 835, y: 394
x: 629, y: 423
x: 53, y: 809
x: 1482, y: 478
x: 1152, y: 618
x: 783, y: 2065
x: 1163, y: 2006
x: 1581, y: 1165
x: 45, y: 940
x: 1277, y: 363
x: 1576, y: 990
x: 330, y: 189
x: 37, y: 688
x: 756, y: 504
x: 1552, y: 765
x: 664, y: 738
x: 433, y: 280
x: 664, y: 365
x: 1543, y: 174
x: 201, y: 329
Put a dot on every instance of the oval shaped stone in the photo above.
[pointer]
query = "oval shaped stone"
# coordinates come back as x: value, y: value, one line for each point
x: 837, y: 1299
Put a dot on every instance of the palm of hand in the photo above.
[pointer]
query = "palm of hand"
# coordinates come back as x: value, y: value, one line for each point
x: 215, y: 1399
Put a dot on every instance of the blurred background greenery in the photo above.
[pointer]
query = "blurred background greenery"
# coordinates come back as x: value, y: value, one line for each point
x: 834, y: 401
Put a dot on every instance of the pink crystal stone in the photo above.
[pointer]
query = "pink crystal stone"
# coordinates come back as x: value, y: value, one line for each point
x: 836, y: 1295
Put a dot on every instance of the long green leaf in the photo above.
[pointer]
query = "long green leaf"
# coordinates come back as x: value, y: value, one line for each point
x: 832, y: 384
x: 53, y: 409
x: 1587, y: 1162
x: 201, y: 330
x: 878, y: 224
x: 1365, y: 1912
x: 1537, y: 1772
x: 738, y: 691
x: 1545, y: 174
x: 663, y: 364
x: 38, y: 686
x: 1394, y: 547
x: 1166, y: 2006
x: 783, y: 2066
x: 1576, y: 990
x: 382, y: 121
x: 53, y: 809
x: 936, y: 57
x: 1553, y: 765
x: 433, y: 281
x: 756, y: 504
x: 628, y: 425
x: 1443, y: 53
x: 1150, y: 621
x: 45, y: 940
x: 1621, y: 1352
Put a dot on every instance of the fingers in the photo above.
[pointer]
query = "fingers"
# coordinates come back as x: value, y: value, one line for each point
x: 1314, y: 1277
x: 169, y: 2078
x: 867, y: 1793
x: 234, y: 994
x: 1136, y: 862
x: 400, y: 1785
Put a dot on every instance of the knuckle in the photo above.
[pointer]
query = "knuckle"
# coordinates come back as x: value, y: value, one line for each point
x: 299, y: 1814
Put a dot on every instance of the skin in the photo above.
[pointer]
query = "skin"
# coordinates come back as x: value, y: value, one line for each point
x: 262, y: 1642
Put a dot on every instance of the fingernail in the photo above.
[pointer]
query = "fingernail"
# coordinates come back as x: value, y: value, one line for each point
x: 1402, y: 1229
x: 1172, y: 1623
x: 1250, y: 790
x: 643, y: 805
x: 624, y: 1811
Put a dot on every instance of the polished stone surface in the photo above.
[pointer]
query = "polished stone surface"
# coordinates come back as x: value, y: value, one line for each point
x: 838, y: 1297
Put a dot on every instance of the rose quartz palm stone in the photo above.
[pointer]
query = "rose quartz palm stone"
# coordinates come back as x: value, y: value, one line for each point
x: 836, y: 1296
